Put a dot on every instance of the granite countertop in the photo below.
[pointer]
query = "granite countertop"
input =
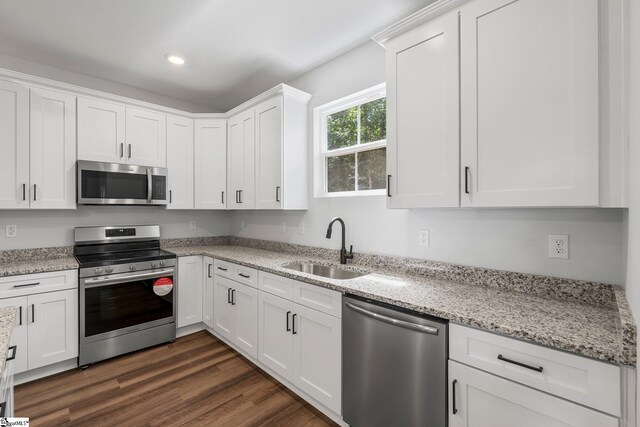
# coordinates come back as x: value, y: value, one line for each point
x: 29, y: 261
x: 599, y: 329
x: 7, y: 319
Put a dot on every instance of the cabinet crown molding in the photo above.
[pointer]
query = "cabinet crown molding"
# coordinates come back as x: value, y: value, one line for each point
x: 423, y: 15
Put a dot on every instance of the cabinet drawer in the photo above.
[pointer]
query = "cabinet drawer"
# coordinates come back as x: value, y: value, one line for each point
x: 582, y: 380
x: 28, y: 284
x: 318, y: 298
x: 248, y: 276
x: 224, y: 268
x: 276, y: 285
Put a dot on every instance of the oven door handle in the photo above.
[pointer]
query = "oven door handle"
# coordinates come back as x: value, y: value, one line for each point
x: 149, y: 185
x: 95, y: 282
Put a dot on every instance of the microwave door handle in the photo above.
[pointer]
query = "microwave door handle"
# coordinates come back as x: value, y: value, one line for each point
x: 149, y: 185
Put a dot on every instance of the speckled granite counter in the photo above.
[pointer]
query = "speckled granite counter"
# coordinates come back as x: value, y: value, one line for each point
x: 594, y: 322
x: 41, y: 260
x: 7, y: 319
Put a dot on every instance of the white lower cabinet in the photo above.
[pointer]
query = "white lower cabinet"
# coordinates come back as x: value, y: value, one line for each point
x: 207, y: 302
x: 303, y: 345
x: 480, y: 399
x: 236, y: 314
x: 189, y: 290
x: 46, y: 326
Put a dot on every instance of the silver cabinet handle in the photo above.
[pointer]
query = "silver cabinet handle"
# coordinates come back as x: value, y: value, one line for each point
x: 24, y: 192
x: 129, y: 150
x: 35, y: 192
x: 33, y: 313
x: 149, y: 185
x: 397, y: 322
x: 170, y: 197
x: 20, y: 316
x: 223, y: 197
x: 277, y: 193
x: 209, y: 270
x: 121, y: 150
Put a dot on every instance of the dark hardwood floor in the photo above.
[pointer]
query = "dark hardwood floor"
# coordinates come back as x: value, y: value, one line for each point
x: 196, y: 381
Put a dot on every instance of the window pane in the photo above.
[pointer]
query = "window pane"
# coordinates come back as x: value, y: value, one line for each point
x: 341, y: 172
x: 342, y: 129
x: 373, y: 121
x: 372, y: 169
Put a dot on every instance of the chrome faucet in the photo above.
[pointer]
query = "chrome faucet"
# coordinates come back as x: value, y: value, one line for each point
x: 344, y: 256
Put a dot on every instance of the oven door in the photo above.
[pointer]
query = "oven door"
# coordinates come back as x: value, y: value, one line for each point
x: 123, y: 303
x: 115, y: 184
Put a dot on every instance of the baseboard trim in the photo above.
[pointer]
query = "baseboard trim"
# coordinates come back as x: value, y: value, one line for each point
x: 45, y: 371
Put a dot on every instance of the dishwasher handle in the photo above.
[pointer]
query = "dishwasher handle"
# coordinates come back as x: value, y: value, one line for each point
x: 397, y: 322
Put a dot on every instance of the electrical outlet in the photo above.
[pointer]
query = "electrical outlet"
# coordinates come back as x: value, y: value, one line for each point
x: 192, y: 225
x: 423, y: 238
x: 559, y: 246
x: 11, y: 231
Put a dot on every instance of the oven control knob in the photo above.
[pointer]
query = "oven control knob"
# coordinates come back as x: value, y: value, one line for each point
x: 161, y: 263
x: 98, y: 270
x: 133, y: 267
x: 108, y: 270
x: 153, y: 264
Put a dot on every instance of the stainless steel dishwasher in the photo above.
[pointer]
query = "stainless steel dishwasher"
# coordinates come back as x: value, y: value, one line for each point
x: 394, y: 366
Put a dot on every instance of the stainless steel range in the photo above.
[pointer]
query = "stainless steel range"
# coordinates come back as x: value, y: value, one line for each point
x: 127, y: 295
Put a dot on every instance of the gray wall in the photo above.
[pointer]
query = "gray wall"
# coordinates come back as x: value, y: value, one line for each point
x: 55, y: 228
x: 496, y: 238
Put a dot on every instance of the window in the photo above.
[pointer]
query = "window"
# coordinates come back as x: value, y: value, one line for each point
x: 350, y: 143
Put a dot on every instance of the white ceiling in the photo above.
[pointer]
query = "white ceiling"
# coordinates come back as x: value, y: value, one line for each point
x: 234, y: 48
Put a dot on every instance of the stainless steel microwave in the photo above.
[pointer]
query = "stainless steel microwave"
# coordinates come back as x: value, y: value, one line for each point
x: 115, y: 184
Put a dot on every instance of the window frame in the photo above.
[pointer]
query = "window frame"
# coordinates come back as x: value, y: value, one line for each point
x: 321, y: 153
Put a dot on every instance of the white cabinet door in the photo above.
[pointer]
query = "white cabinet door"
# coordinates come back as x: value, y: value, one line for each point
x: 210, y: 164
x: 52, y: 155
x: 189, y: 290
x: 14, y: 145
x: 423, y: 117
x: 207, y: 302
x: 240, y: 164
x: 275, y: 346
x: 146, y: 137
x: 317, y: 355
x: 223, y: 312
x: 268, y: 155
x: 180, y: 162
x: 529, y: 103
x: 20, y: 337
x: 53, y: 327
x: 485, y: 400
x: 244, y: 300
x: 101, y: 131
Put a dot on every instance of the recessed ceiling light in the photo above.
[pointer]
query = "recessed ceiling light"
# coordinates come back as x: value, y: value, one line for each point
x: 174, y: 59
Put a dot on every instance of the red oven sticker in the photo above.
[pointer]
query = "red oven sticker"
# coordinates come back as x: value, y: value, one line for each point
x: 162, y: 286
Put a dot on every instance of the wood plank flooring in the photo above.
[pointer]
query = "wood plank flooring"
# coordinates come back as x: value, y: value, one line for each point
x: 196, y: 381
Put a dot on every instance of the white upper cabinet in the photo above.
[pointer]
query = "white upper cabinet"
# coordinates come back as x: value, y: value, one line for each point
x: 281, y: 151
x: 180, y: 162
x: 52, y: 155
x: 506, y: 103
x: 210, y: 164
x: 110, y: 132
x: 422, y: 116
x: 101, y: 131
x: 529, y: 105
x: 269, y: 154
x: 14, y: 144
x: 146, y: 138
x: 240, y: 163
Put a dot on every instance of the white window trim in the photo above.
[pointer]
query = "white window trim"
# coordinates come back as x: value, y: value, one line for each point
x: 320, y: 153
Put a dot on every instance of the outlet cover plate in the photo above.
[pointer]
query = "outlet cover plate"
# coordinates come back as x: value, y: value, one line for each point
x: 423, y: 238
x: 559, y: 246
x: 11, y: 231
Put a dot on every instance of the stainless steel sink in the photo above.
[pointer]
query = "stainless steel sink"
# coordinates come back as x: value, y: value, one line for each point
x: 324, y: 271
